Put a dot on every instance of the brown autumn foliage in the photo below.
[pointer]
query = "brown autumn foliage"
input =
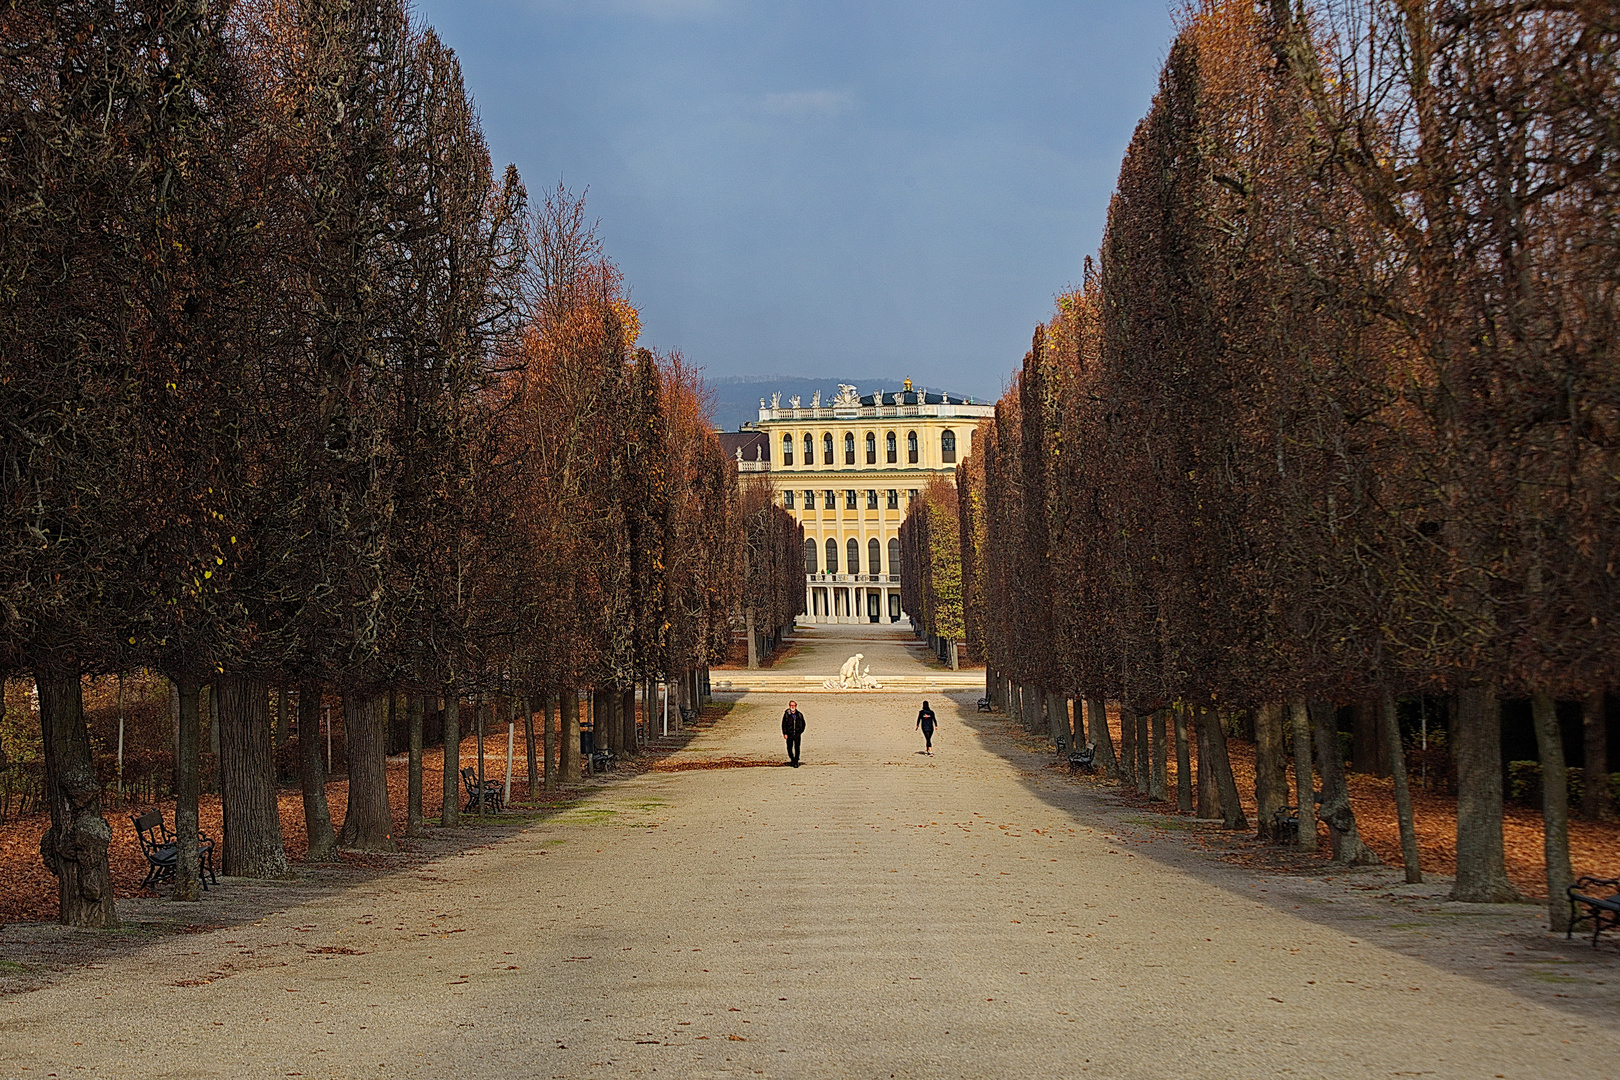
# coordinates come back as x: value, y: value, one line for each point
x: 1333, y: 418
x: 303, y: 393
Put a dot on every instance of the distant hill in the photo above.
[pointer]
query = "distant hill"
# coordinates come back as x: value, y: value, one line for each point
x: 736, y: 398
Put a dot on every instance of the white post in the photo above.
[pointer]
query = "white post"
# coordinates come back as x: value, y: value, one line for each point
x: 665, y: 685
x: 510, y: 728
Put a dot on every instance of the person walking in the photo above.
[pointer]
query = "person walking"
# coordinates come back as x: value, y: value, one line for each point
x: 925, y: 722
x: 792, y: 729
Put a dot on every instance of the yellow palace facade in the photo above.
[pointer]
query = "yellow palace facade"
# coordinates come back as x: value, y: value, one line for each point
x: 847, y: 469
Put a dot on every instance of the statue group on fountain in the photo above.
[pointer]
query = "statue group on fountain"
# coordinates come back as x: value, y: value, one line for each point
x: 851, y: 677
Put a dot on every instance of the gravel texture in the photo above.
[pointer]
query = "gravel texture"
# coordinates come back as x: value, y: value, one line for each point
x: 875, y: 913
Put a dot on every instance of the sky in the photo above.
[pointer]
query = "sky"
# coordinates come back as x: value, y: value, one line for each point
x: 880, y: 188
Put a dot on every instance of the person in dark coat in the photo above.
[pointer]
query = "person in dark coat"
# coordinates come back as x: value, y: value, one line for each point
x: 792, y: 729
x: 925, y: 722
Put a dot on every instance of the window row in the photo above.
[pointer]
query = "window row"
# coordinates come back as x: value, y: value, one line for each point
x: 891, y: 448
x: 829, y: 499
x: 852, y: 557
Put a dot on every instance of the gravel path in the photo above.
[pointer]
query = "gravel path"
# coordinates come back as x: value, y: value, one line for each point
x: 874, y: 913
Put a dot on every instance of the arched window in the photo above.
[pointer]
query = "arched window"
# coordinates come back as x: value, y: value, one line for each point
x: 826, y: 448
x: 809, y: 449
x: 854, y: 555
x: 810, y: 557
x: 894, y: 556
x: 849, y: 448
x: 787, y: 449
x: 947, y: 446
x: 911, y: 447
x: 832, y: 556
x: 888, y: 443
x: 871, y: 448
x: 874, y: 556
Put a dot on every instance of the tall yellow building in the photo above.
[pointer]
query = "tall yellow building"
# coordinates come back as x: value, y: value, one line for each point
x: 847, y: 469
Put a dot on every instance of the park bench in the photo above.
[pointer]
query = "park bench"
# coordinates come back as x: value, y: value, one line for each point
x: 162, y: 850
x: 1586, y: 904
x: 1285, y: 825
x: 493, y: 797
x: 986, y: 705
x: 595, y: 760
x: 1083, y: 758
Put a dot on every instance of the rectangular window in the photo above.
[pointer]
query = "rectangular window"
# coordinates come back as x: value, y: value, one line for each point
x: 849, y: 499
x: 810, y: 500
x: 787, y: 499
x: 871, y: 500
x: 894, y: 499
x: 911, y: 495
x: 829, y: 500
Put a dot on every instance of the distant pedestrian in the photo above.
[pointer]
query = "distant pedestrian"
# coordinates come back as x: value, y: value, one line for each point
x: 925, y: 721
x: 792, y: 729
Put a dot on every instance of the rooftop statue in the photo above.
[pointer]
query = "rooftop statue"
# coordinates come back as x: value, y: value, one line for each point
x: 815, y: 402
x: 794, y: 401
x: 848, y: 397
x: 776, y: 400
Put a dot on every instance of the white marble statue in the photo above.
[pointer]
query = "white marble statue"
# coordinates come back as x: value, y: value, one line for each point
x: 851, y: 677
x: 776, y: 400
x: 848, y: 396
x: 815, y: 401
x: 793, y: 402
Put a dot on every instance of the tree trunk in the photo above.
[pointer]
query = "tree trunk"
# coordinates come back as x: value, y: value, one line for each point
x: 312, y: 776
x: 529, y: 746
x: 1270, y: 767
x: 1184, y: 791
x: 1208, y: 796
x: 548, y: 740
x: 1597, y: 804
x: 74, y: 848
x: 568, y: 769
x: 213, y: 729
x: 1554, y: 807
x: 283, y: 718
x: 1127, y: 746
x: 1395, y: 754
x: 1304, y: 778
x: 1336, y: 811
x: 1366, y: 748
x: 1144, y: 767
x: 367, y: 823
x: 627, y: 717
x: 415, y: 819
x: 1225, y: 783
x: 450, y: 805
x: 1097, y: 731
x: 753, y: 641
x: 478, y: 728
x: 187, y: 787
x: 1158, y: 759
x: 252, y: 846
x: 1057, y: 716
x: 1476, y: 745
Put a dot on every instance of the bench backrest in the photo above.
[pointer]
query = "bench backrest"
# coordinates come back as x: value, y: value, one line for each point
x: 149, y: 827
